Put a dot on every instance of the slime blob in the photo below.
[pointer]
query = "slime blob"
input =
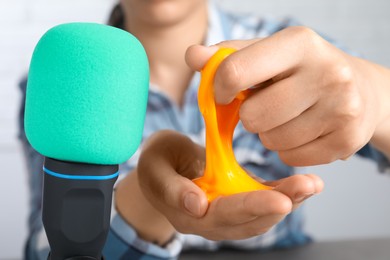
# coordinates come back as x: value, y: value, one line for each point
x: 223, y: 175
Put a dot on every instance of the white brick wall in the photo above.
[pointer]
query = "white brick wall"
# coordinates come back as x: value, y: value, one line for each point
x: 362, y: 25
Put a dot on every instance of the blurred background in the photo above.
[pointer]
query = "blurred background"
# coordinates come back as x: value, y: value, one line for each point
x: 354, y: 204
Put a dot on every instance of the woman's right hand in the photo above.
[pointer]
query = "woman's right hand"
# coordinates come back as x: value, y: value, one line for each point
x: 170, y: 160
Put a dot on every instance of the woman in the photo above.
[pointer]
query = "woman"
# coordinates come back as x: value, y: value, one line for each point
x: 312, y: 97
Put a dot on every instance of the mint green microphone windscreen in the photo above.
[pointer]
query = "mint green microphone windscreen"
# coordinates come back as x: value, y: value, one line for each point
x: 87, y: 93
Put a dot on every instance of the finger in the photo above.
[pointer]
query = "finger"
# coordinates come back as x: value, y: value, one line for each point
x: 301, y: 130
x: 318, y: 182
x: 245, y: 207
x: 254, y: 176
x: 322, y: 150
x: 298, y: 187
x: 275, y: 105
x: 256, y: 227
x: 259, y: 62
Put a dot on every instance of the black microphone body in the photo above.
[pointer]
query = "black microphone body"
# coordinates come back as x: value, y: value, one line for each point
x: 76, y: 208
x: 85, y: 107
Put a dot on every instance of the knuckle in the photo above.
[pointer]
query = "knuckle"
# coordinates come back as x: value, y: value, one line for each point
x: 249, y: 119
x: 301, y: 179
x: 283, y: 208
x: 291, y: 159
x: 353, y: 140
x: 252, y: 232
x: 303, y: 183
x: 339, y: 78
x: 302, y: 159
x: 347, y: 148
x: 232, y: 73
x: 301, y: 30
x: 285, y: 158
x: 343, y: 74
x: 326, y: 158
x: 305, y: 40
x: 182, y: 227
x: 351, y: 108
x: 303, y: 33
x: 329, y: 159
x: 267, y: 141
x: 346, y: 158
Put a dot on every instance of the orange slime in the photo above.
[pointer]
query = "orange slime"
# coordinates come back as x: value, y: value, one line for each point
x: 223, y: 175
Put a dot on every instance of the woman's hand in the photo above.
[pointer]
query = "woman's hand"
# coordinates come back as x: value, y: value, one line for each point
x: 168, y: 163
x: 311, y: 102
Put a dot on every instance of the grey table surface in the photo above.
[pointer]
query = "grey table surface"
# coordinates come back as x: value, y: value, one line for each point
x: 369, y: 249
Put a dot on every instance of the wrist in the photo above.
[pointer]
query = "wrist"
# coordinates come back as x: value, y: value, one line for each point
x: 375, y: 80
x: 136, y: 210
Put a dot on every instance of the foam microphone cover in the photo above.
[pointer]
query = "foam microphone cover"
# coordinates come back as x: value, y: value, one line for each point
x: 86, y: 94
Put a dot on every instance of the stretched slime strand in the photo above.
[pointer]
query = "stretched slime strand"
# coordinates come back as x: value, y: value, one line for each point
x: 223, y: 175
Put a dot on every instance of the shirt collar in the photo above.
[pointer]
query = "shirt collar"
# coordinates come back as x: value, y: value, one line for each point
x: 215, y: 32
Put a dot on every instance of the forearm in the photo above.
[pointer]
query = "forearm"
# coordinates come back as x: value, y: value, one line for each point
x: 135, y: 209
x: 381, y: 139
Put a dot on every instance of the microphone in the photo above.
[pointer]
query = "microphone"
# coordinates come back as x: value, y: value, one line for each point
x: 85, y: 108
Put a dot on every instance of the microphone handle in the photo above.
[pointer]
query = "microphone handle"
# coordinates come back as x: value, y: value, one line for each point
x: 76, y: 208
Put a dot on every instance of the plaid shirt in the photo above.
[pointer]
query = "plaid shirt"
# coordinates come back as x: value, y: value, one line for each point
x: 162, y: 113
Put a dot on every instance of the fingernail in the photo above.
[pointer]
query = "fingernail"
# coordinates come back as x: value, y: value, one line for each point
x: 191, y: 203
x: 302, y: 196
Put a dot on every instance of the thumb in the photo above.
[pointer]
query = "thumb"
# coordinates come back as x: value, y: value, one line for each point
x: 168, y: 191
x: 193, y: 199
x: 197, y: 55
x: 184, y: 196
